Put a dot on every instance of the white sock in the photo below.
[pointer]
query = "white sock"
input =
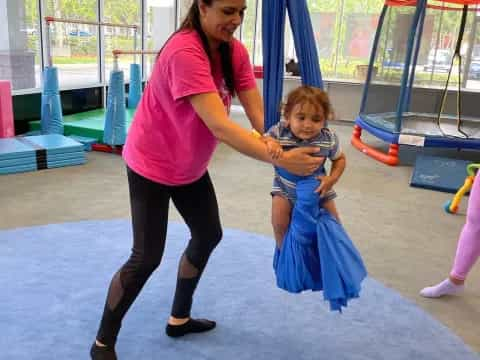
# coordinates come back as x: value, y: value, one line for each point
x: 446, y: 287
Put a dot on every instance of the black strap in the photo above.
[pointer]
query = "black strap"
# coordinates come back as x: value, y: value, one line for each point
x: 40, y: 152
x: 461, y: 32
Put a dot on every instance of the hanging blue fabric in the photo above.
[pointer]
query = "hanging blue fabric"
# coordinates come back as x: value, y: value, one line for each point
x: 317, y: 253
x: 273, y: 30
x: 273, y: 34
x: 305, y: 45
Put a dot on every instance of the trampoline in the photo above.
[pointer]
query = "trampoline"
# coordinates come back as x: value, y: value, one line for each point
x: 402, y: 62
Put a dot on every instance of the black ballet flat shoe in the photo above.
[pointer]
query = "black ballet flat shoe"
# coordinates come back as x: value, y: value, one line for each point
x: 102, y: 353
x: 191, y: 326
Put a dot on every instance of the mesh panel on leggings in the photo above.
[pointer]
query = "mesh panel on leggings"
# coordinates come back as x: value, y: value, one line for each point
x: 115, y: 292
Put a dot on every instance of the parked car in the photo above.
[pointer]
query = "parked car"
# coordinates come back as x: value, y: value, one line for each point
x: 440, y: 59
x: 30, y: 31
x: 81, y: 33
x: 474, y: 71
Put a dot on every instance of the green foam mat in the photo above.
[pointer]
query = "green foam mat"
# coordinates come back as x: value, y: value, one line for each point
x: 89, y: 123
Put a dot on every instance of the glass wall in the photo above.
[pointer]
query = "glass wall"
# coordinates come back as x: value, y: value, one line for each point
x: 344, y: 31
x: 257, y: 58
x: 74, y: 47
x: 159, y: 25
x: 20, y: 55
x: 247, y: 34
x: 439, y: 40
x: 122, y: 12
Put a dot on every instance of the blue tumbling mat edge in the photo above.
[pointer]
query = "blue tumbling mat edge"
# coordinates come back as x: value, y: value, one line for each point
x: 30, y: 153
x: 12, y: 148
x: 439, y: 173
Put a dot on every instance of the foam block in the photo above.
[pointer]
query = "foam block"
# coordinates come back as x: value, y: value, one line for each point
x: 12, y: 148
x: 7, y: 128
x: 115, y: 132
x: 51, y: 111
x: 135, y: 87
x: 86, y: 141
x: 439, y: 173
x: 55, y: 143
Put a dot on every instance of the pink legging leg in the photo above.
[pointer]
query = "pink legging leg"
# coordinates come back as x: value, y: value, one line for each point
x: 468, y: 248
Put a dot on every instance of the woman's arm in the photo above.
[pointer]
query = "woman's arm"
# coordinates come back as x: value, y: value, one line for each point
x: 211, y: 110
x: 253, y: 105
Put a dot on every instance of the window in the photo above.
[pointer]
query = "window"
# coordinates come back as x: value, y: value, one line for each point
x: 74, y: 47
x: 121, y: 12
x: 183, y: 7
x: 20, y: 57
x: 344, y: 31
x: 160, y: 24
x: 258, y: 52
x: 248, y: 26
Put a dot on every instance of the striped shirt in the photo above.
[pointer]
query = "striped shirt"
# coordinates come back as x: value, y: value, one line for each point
x: 329, y: 146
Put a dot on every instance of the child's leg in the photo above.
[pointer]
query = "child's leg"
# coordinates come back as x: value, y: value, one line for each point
x: 330, y: 206
x: 281, y: 211
x: 468, y: 250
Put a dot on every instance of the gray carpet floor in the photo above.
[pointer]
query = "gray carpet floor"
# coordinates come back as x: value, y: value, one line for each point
x: 403, y: 233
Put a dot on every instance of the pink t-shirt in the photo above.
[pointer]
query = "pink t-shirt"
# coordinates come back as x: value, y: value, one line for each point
x: 167, y: 141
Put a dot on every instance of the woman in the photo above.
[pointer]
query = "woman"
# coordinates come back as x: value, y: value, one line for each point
x: 181, y: 117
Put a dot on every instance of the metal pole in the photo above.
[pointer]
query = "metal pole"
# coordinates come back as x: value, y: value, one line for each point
x: 86, y: 22
x: 135, y: 45
x: 440, y: 24
x: 342, y: 8
x: 101, y: 54
x: 115, y: 62
x: 254, y: 50
x: 48, y: 50
x: 471, y: 44
x: 143, y: 16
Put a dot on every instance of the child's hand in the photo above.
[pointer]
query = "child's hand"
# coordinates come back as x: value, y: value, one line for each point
x: 274, y: 149
x: 326, y: 184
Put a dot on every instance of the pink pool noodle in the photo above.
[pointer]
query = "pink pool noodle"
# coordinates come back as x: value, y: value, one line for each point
x: 7, y: 128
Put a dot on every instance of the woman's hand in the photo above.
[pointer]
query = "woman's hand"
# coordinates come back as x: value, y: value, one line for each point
x: 300, y: 161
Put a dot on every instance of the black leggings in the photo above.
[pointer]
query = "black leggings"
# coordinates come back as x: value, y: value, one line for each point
x: 149, y: 201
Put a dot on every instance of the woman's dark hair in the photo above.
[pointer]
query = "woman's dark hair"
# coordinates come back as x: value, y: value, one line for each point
x: 192, y: 22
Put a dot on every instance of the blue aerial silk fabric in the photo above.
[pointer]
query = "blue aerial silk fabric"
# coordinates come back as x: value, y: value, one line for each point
x: 317, y: 253
x: 273, y: 34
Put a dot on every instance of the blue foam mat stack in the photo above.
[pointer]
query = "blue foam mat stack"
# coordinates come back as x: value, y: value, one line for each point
x: 30, y: 153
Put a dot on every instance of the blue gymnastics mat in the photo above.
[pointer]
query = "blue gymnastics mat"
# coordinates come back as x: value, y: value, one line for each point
x: 29, y: 153
x: 11, y: 148
x: 439, y: 173
x: 54, y: 143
